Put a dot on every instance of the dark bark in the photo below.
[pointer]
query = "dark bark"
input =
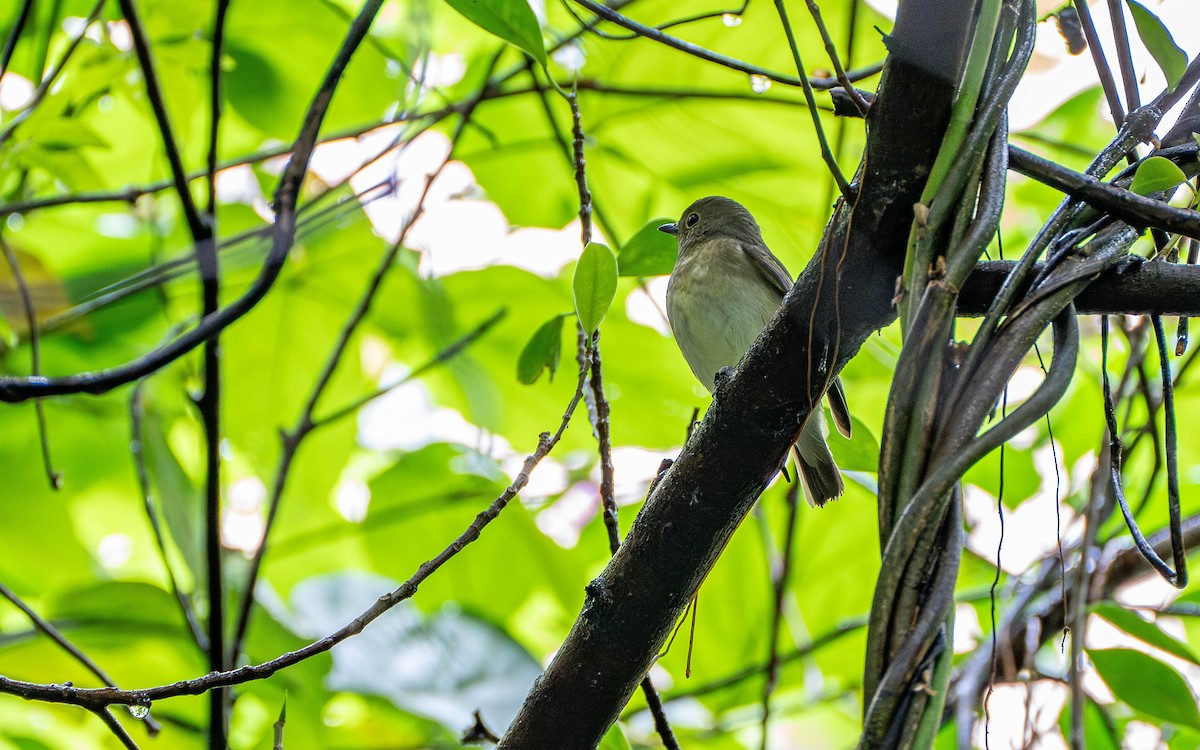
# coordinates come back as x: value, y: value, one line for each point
x: 843, y: 296
x: 1135, y: 288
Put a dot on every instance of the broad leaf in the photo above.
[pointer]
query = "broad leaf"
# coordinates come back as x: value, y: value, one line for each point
x: 1147, y: 685
x: 1156, y: 174
x: 511, y: 20
x: 595, y: 284
x: 543, y: 351
x: 649, y: 252
x: 1158, y: 40
x: 1143, y: 630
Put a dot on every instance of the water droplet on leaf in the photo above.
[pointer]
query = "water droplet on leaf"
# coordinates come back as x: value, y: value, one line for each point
x: 731, y: 19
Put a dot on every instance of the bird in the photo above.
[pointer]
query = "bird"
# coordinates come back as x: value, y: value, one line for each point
x: 725, y: 287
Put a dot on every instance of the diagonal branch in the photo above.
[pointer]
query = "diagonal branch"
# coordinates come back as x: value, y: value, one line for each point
x: 733, y: 454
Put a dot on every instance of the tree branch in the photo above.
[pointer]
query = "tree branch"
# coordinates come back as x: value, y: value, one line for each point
x: 1136, y: 287
x: 843, y: 296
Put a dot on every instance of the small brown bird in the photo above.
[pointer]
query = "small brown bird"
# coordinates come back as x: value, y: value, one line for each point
x: 725, y: 288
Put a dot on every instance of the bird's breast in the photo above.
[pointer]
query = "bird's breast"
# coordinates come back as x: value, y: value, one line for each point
x: 717, y: 304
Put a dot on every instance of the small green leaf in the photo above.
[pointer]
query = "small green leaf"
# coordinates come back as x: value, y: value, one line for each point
x: 1143, y: 630
x: 858, y: 453
x: 1147, y: 685
x: 543, y: 351
x: 595, y: 284
x: 511, y: 20
x: 649, y: 252
x: 1158, y: 40
x: 1156, y: 174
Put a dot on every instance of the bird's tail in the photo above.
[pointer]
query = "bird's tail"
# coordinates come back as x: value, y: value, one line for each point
x: 819, y: 474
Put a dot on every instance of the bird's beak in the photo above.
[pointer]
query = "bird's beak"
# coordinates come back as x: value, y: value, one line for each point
x: 669, y: 228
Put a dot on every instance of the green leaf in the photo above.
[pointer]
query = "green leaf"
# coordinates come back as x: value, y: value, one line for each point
x: 649, y: 252
x: 860, y: 452
x: 595, y: 284
x: 1147, y: 685
x: 1156, y: 174
x: 1158, y: 40
x: 543, y: 351
x: 1143, y: 630
x: 511, y: 20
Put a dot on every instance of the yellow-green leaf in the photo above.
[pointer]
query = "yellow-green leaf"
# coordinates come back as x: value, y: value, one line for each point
x: 595, y: 284
x: 1147, y: 685
x: 543, y: 351
x: 511, y: 20
x: 649, y: 252
x: 1158, y: 40
x: 1143, y: 630
x: 1155, y: 175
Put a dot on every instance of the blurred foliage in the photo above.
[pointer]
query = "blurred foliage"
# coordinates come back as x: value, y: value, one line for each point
x: 369, y: 499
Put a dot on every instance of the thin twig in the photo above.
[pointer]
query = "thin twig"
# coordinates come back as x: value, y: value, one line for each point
x: 306, y: 421
x: 209, y: 401
x: 695, y: 50
x: 598, y: 403
x: 44, y: 86
x: 1102, y: 68
x: 1116, y: 16
x: 93, y: 698
x: 826, y: 154
x: 35, y: 356
x: 199, y: 228
x: 216, y: 78
x: 18, y: 28
x: 830, y: 49
x: 115, y: 727
x: 51, y: 632
x: 291, y: 440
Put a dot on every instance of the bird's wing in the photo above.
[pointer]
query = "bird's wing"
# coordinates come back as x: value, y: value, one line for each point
x: 838, y: 408
x: 768, y: 266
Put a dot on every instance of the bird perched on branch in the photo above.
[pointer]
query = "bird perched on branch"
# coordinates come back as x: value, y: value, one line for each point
x: 725, y: 287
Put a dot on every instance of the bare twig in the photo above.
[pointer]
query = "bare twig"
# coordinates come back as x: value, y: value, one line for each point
x: 599, y: 407
x: 48, y: 80
x: 115, y: 727
x: 830, y: 49
x: 695, y: 50
x: 93, y: 698
x: 304, y: 424
x: 18, y: 28
x: 1102, y: 68
x: 35, y: 355
x: 1116, y: 16
x: 71, y: 649
x: 826, y: 154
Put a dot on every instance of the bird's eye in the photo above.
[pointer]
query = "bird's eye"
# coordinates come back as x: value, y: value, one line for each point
x: 691, y: 220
